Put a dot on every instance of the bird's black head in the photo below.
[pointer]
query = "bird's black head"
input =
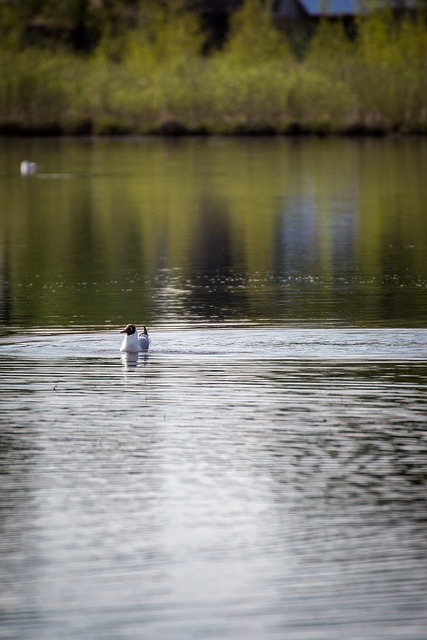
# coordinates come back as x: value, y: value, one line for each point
x: 130, y: 329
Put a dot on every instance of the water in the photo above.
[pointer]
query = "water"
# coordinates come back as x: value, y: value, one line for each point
x: 261, y: 472
x: 308, y: 232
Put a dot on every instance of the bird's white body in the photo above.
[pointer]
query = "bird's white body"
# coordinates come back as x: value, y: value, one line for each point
x: 134, y: 342
x: 144, y: 340
x: 28, y: 168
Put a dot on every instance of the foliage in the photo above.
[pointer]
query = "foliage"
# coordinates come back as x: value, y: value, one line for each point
x: 331, y: 49
x: 39, y: 92
x: 390, y: 72
x: 155, y: 76
x: 253, y: 38
x: 165, y: 34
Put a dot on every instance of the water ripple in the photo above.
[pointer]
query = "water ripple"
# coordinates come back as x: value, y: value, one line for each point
x: 233, y: 483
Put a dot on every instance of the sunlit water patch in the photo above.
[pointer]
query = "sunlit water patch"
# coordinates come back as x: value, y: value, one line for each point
x: 232, y: 483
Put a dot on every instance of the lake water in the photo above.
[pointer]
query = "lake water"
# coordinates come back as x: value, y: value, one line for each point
x: 260, y: 474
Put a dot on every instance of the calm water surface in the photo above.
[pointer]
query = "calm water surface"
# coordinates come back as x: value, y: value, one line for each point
x: 261, y: 473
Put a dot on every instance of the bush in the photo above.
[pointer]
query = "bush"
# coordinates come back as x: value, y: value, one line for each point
x: 38, y: 91
x: 155, y: 78
x: 253, y: 38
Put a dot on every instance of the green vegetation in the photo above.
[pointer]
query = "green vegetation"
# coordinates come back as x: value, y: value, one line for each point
x: 156, y: 76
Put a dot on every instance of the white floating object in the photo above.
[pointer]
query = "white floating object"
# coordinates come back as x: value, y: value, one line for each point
x: 28, y: 168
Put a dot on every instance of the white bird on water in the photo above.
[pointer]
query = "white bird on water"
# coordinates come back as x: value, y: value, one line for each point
x: 134, y: 342
x: 28, y: 168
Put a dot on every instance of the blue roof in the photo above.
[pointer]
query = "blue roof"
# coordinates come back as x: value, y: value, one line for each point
x: 331, y: 7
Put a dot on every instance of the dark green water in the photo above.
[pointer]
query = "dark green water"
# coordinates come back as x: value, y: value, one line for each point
x: 260, y: 474
x: 313, y: 232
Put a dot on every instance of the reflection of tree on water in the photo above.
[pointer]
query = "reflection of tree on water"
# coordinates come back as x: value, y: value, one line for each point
x: 214, y: 259
x: 212, y: 287
x: 260, y: 230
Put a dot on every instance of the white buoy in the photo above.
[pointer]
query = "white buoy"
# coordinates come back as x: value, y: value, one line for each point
x: 28, y: 168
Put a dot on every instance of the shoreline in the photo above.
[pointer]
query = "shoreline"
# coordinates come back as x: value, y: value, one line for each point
x: 178, y: 131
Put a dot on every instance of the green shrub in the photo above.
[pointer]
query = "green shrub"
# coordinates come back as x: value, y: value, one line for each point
x: 156, y: 78
x: 390, y: 73
x: 253, y: 38
x: 37, y: 89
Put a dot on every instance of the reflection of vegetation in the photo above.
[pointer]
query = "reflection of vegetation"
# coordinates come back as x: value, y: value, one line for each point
x: 157, y: 77
x: 212, y: 228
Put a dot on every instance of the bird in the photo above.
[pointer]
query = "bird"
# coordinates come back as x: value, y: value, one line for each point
x: 134, y: 342
x: 27, y: 168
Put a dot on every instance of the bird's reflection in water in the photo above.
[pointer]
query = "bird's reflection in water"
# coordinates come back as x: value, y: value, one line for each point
x: 133, y: 360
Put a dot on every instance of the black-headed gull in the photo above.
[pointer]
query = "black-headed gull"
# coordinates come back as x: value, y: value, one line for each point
x: 134, y: 342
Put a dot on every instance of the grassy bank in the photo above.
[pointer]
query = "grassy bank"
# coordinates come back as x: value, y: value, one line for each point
x: 160, y: 81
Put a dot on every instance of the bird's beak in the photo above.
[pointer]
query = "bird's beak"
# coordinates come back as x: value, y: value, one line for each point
x: 122, y: 331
